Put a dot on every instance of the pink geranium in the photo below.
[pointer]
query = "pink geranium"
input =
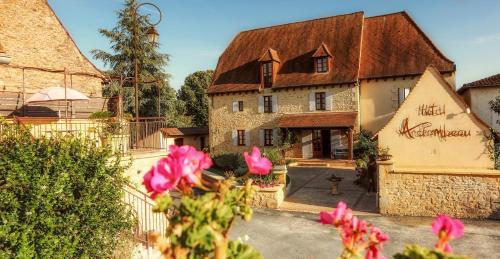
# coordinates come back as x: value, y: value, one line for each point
x: 447, y: 229
x: 181, y: 169
x: 375, y: 244
x: 256, y: 163
x: 337, y: 216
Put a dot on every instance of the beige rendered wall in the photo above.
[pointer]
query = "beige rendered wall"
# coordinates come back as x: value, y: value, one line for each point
x: 379, y: 99
x: 470, y: 151
x: 479, y: 103
x: 222, y: 119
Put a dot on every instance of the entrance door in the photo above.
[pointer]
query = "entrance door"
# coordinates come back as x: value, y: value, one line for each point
x: 317, y: 144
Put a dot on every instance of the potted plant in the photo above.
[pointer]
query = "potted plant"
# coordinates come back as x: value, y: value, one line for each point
x: 383, y: 154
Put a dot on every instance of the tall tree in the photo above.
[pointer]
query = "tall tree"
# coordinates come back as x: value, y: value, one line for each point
x: 193, y: 94
x: 125, y: 49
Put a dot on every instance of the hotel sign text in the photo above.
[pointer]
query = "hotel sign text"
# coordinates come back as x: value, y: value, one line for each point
x: 426, y: 128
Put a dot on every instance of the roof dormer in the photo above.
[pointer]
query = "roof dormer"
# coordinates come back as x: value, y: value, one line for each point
x: 269, y: 65
x: 322, y: 59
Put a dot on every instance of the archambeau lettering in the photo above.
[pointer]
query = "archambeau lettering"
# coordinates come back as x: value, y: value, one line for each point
x: 425, y: 129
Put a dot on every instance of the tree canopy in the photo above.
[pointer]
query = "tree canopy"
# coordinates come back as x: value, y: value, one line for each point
x: 193, y: 95
x: 125, y: 50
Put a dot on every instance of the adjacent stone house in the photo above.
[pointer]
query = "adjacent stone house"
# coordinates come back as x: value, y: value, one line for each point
x: 478, y: 94
x: 37, y: 52
x: 317, y: 81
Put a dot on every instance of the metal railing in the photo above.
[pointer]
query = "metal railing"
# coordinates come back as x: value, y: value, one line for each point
x: 124, y: 137
x: 147, y: 221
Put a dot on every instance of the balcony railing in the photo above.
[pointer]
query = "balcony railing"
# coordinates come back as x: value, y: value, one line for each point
x: 121, y: 136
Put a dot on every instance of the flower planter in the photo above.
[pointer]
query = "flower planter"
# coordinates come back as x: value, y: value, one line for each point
x: 335, y: 190
x: 280, y: 171
x: 268, y: 197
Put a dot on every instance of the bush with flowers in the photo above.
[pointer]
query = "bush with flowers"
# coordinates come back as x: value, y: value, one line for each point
x: 199, y: 224
x: 362, y: 239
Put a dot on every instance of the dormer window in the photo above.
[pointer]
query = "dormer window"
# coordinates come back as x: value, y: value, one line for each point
x: 322, y: 65
x: 269, y: 63
x: 322, y: 59
x: 267, y: 73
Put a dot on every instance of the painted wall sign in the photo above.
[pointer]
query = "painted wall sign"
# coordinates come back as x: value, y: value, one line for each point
x: 426, y: 128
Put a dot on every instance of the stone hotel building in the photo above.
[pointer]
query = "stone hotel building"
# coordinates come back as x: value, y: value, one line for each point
x: 317, y: 81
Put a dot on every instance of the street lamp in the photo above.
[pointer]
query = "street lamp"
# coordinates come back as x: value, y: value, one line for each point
x: 153, y: 37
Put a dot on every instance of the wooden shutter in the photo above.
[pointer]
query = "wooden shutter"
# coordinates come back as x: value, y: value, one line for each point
x: 235, y: 106
x: 247, y: 138
x: 276, y: 135
x: 312, y: 101
x: 260, y: 104
x: 235, y: 137
x: 275, y: 103
x: 329, y: 101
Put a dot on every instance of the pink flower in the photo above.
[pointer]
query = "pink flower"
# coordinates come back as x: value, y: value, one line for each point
x: 256, y: 163
x: 337, y: 216
x: 353, y: 232
x: 180, y: 169
x: 447, y: 229
x: 375, y: 244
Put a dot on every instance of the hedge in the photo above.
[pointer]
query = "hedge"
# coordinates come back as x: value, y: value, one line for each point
x: 60, y: 197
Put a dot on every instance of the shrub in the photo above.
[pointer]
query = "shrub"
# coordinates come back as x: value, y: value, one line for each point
x: 275, y: 155
x: 365, y: 149
x: 60, y: 197
x: 230, y: 162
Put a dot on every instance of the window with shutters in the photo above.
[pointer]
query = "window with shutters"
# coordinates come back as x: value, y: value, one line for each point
x: 267, y: 73
x: 268, y: 104
x: 240, y: 106
x: 320, y: 101
x: 268, y: 137
x: 322, y: 65
x: 241, y: 137
x: 402, y: 94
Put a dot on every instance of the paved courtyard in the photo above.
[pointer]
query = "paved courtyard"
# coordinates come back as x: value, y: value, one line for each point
x: 310, y: 191
x: 293, y: 232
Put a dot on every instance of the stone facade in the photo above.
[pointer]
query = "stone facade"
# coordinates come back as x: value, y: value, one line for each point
x: 41, y: 49
x: 462, y: 194
x: 222, y: 119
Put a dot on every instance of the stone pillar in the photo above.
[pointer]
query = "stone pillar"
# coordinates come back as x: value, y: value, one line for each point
x: 383, y: 199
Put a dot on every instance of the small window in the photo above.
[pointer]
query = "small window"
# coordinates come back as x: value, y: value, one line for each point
x: 268, y: 137
x: 267, y: 72
x: 179, y: 141
x: 240, y: 106
x: 321, y: 101
x: 322, y: 65
x: 268, y: 104
x: 402, y: 94
x: 241, y: 137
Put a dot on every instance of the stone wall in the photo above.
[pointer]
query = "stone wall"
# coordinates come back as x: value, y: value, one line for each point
x: 463, y: 194
x: 41, y: 49
x: 292, y: 101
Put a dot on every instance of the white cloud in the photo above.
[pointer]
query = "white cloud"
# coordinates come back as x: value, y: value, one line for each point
x: 487, y: 39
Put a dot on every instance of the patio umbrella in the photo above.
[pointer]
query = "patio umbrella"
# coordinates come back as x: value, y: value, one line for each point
x: 57, y: 93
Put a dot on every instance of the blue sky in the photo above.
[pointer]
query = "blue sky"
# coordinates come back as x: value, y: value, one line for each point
x: 195, y: 32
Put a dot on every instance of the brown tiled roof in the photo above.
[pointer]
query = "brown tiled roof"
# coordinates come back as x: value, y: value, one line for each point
x: 485, y: 82
x: 295, y: 43
x: 193, y: 131
x: 318, y: 120
x: 392, y: 45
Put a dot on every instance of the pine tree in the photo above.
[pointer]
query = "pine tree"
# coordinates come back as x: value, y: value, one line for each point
x: 151, y: 64
x: 193, y: 94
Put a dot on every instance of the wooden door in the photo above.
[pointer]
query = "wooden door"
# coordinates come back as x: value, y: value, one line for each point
x: 317, y: 144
